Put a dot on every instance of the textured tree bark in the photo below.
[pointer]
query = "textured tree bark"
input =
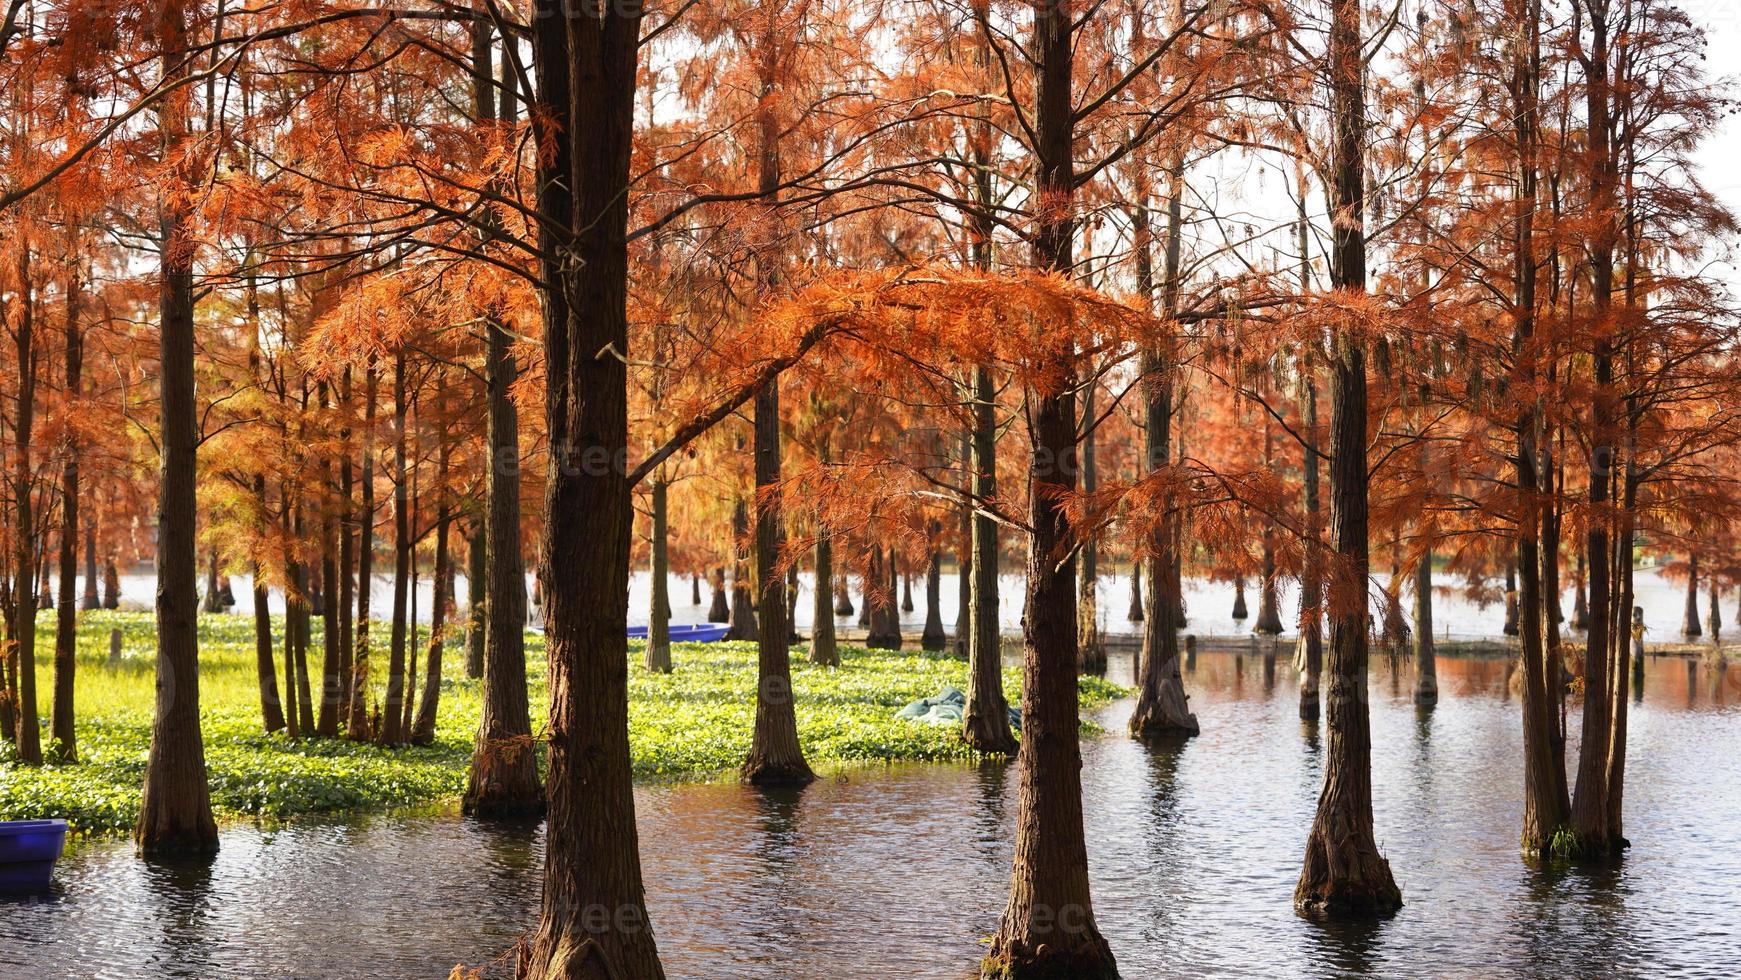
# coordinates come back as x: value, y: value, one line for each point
x: 1426, y: 665
x: 393, y: 706
x: 1135, y: 614
x: 1512, y: 603
x: 824, y: 648
x: 1344, y: 874
x: 213, y: 601
x: 175, y: 812
x: 26, y: 736
x: 1312, y: 574
x: 985, y: 724
x: 593, y: 923
x: 1690, y: 621
x: 879, y: 602
x: 1162, y: 708
x: 347, y: 594
x: 332, y: 643
x: 1048, y: 927
x: 63, y: 741
x: 1090, y: 650
x: 1580, y: 606
x: 1595, y: 837
x: 933, y: 637
x: 659, y: 613
x: 504, y: 770
x: 476, y: 573
x: 90, y: 599
x: 357, y: 726
x: 720, y: 610
x: 1239, y: 610
x: 743, y: 603
x: 775, y: 758
x: 271, y: 708
x: 423, y: 727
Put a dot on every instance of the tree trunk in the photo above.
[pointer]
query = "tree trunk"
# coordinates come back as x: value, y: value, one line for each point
x: 504, y: 771
x: 1162, y: 708
x: 824, y: 650
x: 1690, y: 621
x: 111, y: 585
x: 357, y: 727
x: 1580, y: 607
x: 1049, y: 877
x: 1135, y: 613
x: 175, y: 814
x: 592, y: 855
x: 775, y: 758
x: 842, y: 598
x: 1426, y: 667
x: 393, y: 707
x: 1090, y: 649
x: 26, y: 735
x: 477, y: 606
x: 63, y: 742
x: 346, y: 567
x: 743, y: 609
x: 986, y: 723
x: 1512, y: 602
x: 1312, y: 574
x: 720, y: 610
x: 933, y: 637
x: 213, y: 601
x: 1239, y: 610
x: 423, y: 727
x: 659, y: 615
x: 332, y: 642
x: 90, y: 599
x: 271, y: 708
x: 1344, y: 873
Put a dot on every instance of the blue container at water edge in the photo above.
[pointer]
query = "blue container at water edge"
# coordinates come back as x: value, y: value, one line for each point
x: 28, y: 850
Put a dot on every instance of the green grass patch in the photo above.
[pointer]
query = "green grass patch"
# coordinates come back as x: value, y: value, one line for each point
x: 694, y: 723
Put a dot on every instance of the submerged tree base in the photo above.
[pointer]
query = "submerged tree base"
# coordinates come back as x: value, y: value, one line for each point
x: 1345, y: 899
x: 1568, y: 846
x: 773, y: 772
x: 1059, y: 955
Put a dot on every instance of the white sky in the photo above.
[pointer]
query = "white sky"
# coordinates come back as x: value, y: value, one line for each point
x: 1720, y: 160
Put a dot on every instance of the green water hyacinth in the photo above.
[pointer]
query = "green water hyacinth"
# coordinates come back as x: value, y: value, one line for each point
x: 692, y: 724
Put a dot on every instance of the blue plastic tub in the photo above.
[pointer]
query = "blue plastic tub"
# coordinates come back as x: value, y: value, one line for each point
x: 28, y: 850
x: 704, y: 633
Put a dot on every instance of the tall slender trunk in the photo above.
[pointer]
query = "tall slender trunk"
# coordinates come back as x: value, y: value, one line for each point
x: 26, y: 736
x: 175, y: 814
x: 743, y: 604
x: 1344, y: 873
x: 90, y: 599
x: 393, y: 707
x: 824, y: 649
x: 1690, y: 627
x: 423, y: 726
x: 592, y: 854
x: 1426, y: 665
x: 1590, y: 802
x: 63, y: 742
x: 1090, y: 649
x: 985, y: 725
x: 331, y: 673
x: 346, y: 564
x: 659, y: 613
x: 504, y: 770
x: 1162, y: 707
x: 476, y: 574
x: 271, y: 708
x: 775, y: 756
x: 933, y: 637
x: 1311, y: 653
x: 357, y: 727
x: 1049, y: 876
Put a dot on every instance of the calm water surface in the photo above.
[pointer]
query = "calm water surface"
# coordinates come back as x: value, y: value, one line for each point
x: 901, y: 872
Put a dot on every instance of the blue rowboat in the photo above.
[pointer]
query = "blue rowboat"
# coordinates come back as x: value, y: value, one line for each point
x: 28, y: 850
x: 704, y: 633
